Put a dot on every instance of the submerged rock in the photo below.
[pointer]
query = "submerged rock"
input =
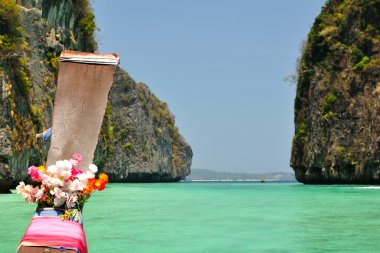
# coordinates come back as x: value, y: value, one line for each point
x: 337, y: 104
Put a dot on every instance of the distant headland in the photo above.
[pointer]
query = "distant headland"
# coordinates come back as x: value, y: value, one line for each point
x: 212, y: 175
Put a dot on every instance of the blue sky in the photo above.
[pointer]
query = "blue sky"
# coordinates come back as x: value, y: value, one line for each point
x: 219, y: 64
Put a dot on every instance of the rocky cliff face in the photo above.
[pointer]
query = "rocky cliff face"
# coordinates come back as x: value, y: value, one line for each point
x: 138, y: 142
x: 337, y: 105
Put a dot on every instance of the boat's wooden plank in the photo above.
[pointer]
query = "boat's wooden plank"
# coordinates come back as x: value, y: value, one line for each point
x: 80, y: 103
x: 36, y: 249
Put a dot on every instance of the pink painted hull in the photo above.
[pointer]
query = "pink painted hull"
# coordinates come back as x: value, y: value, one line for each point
x: 53, y: 233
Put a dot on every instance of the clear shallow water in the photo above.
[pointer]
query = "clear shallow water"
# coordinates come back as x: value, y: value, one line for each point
x: 217, y: 218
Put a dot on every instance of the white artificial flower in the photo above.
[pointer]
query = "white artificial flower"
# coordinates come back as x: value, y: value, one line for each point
x: 82, y: 177
x: 89, y: 174
x: 60, y: 196
x: 66, y: 174
x: 58, y: 192
x: 71, y: 186
x: 27, y: 192
x: 93, y: 168
x: 64, y: 168
x: 67, y: 165
x: 55, y: 182
x: 59, y: 164
x: 76, y: 185
x: 52, y: 170
x: 20, y: 188
x: 28, y: 197
x: 59, y: 201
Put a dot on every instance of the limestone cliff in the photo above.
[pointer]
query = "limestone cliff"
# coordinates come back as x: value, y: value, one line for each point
x: 337, y: 104
x: 138, y: 142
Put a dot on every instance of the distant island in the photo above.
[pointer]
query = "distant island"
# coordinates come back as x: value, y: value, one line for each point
x: 212, y: 175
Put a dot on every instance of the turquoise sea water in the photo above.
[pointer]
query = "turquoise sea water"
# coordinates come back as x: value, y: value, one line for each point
x: 217, y: 218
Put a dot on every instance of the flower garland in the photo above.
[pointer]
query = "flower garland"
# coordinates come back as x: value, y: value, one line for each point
x: 62, y: 185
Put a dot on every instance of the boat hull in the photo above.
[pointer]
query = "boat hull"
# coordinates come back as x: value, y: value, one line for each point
x: 48, y: 232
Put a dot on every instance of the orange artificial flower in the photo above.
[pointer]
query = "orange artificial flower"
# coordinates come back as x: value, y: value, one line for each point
x: 91, y: 181
x: 103, y: 177
x: 100, y: 185
x: 90, y: 186
x: 88, y: 189
x: 101, y: 182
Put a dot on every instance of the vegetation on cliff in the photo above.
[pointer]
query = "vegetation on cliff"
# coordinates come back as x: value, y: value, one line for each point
x: 21, y: 117
x: 32, y: 35
x: 23, y: 111
x: 139, y: 141
x: 337, y: 106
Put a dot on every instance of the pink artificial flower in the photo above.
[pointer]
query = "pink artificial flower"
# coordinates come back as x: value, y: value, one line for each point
x: 77, y: 157
x: 74, y: 162
x: 75, y: 172
x: 42, y: 175
x: 34, y: 173
x: 27, y: 192
x: 71, y: 201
